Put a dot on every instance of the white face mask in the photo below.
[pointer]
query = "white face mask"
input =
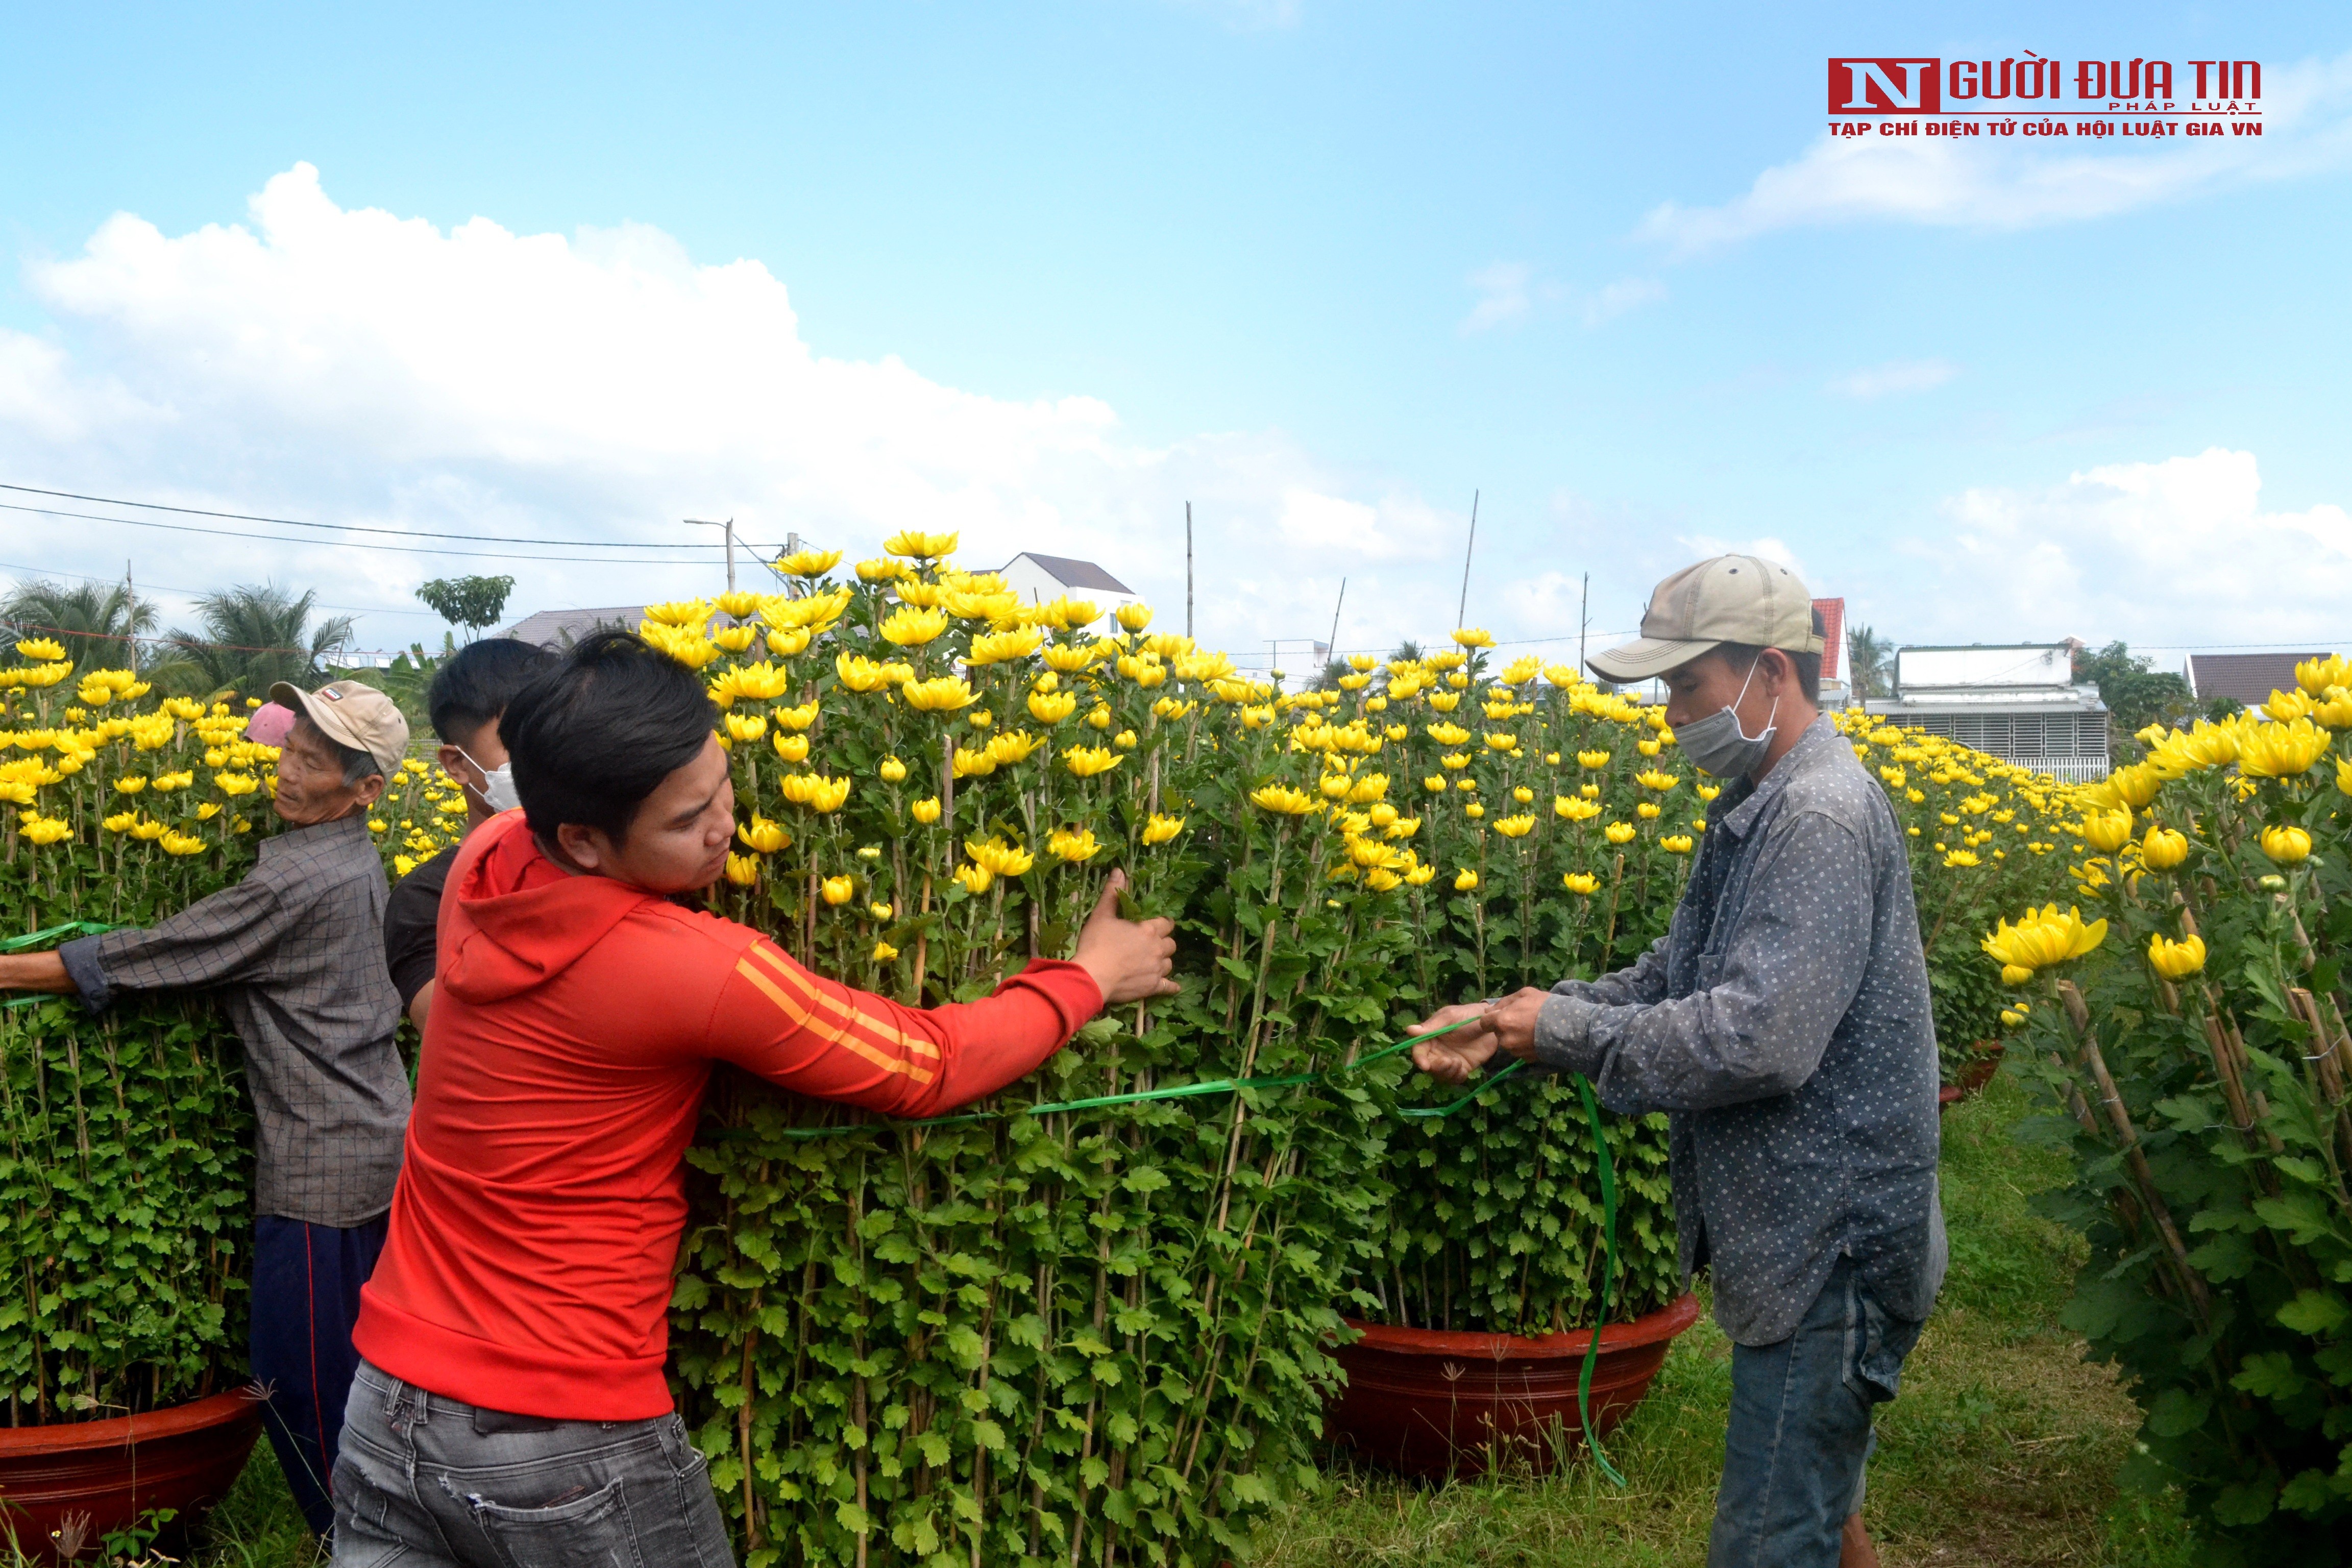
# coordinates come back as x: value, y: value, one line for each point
x: 1719, y: 746
x: 498, y: 786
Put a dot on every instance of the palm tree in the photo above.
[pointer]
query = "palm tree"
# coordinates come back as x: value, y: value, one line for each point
x: 1870, y: 663
x: 254, y: 635
x: 96, y: 625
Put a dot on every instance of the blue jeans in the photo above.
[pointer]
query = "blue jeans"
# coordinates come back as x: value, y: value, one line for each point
x: 305, y: 1296
x: 426, y: 1481
x: 1800, y: 1432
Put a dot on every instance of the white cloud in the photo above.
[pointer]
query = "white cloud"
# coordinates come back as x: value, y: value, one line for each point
x: 1901, y: 375
x: 2016, y: 181
x: 350, y: 366
x: 1502, y: 296
x: 1625, y: 294
x: 2175, y: 553
x: 1510, y: 292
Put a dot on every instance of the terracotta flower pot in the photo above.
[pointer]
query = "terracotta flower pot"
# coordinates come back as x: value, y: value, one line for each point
x: 101, y: 1476
x: 1425, y: 1402
x: 1984, y: 1060
x: 1948, y: 1095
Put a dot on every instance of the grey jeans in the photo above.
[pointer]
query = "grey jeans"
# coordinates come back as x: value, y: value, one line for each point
x: 1799, y: 1434
x: 426, y: 1481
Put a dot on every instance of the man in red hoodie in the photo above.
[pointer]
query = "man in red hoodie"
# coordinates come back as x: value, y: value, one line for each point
x: 511, y: 1407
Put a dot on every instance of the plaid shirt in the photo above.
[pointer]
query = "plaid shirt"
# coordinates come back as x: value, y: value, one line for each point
x: 297, y: 949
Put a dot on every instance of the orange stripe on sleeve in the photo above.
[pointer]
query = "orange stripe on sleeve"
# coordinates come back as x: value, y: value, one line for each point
x: 846, y: 1039
x: 784, y: 1004
x: 822, y: 1001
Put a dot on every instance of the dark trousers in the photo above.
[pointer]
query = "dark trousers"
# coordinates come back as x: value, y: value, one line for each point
x: 305, y: 1296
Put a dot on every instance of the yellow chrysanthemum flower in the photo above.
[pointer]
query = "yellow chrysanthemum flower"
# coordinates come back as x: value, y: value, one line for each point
x: 2286, y: 845
x: 2044, y: 937
x: 919, y: 546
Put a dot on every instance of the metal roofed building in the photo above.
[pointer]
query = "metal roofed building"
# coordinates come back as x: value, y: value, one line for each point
x: 1041, y: 579
x: 2248, y: 677
x: 559, y: 629
x: 2017, y: 702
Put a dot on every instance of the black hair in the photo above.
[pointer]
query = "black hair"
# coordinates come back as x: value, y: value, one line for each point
x: 357, y: 763
x: 475, y: 687
x: 596, y: 736
x: 1743, y: 656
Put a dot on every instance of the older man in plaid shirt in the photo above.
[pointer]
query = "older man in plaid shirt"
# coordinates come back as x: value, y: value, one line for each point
x: 296, y: 952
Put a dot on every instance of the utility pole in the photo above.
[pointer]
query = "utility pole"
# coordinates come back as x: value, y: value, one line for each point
x: 130, y: 617
x: 1584, y: 620
x: 729, y: 526
x: 1464, y: 608
x: 1332, y: 647
x: 1188, y: 569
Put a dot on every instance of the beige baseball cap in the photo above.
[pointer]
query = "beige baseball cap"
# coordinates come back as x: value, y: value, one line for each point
x: 1732, y: 598
x: 353, y: 714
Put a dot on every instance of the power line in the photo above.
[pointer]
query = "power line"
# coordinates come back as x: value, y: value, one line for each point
x: 341, y: 527
x: 200, y: 592
x: 354, y: 545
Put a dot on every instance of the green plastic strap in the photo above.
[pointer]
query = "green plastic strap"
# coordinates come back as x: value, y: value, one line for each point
x: 1175, y: 1091
x: 33, y: 939
x: 1608, y: 1277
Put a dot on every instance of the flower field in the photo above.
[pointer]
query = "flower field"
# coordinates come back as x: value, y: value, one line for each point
x: 2188, y: 1037
x: 1055, y: 1327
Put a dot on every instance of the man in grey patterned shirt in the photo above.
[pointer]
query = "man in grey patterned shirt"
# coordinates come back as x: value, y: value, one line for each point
x: 296, y: 950
x: 1782, y: 1024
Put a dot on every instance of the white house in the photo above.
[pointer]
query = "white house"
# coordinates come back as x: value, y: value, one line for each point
x: 1041, y: 579
x: 2017, y: 702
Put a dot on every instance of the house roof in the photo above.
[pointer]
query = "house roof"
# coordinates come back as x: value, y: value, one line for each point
x: 558, y: 629
x: 1076, y: 573
x: 1833, y: 615
x: 2250, y: 678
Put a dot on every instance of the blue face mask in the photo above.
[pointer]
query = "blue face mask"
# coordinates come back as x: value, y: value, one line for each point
x: 498, y: 786
x: 1716, y: 742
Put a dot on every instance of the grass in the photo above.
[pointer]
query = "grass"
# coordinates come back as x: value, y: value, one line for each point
x: 2002, y: 1449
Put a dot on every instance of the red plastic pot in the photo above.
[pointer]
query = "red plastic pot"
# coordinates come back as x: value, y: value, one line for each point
x: 104, y: 1475
x: 1425, y: 1402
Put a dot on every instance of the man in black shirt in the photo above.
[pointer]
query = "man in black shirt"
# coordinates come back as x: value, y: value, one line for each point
x: 467, y: 696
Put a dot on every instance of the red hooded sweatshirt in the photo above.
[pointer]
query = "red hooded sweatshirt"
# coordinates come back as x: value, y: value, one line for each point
x: 542, y: 1196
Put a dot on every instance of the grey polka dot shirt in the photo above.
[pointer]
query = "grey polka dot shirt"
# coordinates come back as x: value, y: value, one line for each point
x: 1783, y: 1022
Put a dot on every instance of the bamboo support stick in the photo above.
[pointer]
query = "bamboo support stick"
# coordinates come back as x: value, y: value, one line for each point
x: 2135, y: 1158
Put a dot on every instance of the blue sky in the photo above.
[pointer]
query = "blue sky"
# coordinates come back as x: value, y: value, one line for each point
x: 1044, y: 272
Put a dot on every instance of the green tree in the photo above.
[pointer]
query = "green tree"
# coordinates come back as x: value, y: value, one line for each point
x: 2136, y: 693
x: 253, y: 635
x: 472, y: 603
x: 95, y: 624
x: 1870, y: 663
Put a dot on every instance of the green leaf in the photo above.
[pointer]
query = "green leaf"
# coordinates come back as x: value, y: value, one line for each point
x: 2314, y: 1312
x: 2178, y: 1412
x: 2270, y: 1375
